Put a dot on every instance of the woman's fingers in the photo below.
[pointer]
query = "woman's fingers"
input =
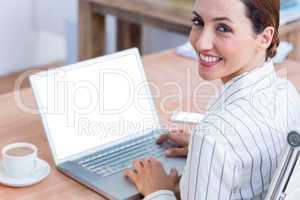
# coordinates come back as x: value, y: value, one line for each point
x: 138, y: 165
x: 137, y: 169
x: 131, y: 175
x: 163, y: 138
x: 172, y: 152
x: 176, y: 136
x: 174, y: 175
x: 167, y: 136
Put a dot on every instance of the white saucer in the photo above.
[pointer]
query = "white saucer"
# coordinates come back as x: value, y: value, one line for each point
x: 42, y: 172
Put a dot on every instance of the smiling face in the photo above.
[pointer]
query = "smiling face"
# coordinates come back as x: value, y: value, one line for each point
x: 223, y: 37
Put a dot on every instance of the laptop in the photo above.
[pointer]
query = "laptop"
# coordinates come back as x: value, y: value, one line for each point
x: 98, y: 116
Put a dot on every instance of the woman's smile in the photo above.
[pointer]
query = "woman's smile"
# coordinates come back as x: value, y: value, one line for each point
x: 208, y: 61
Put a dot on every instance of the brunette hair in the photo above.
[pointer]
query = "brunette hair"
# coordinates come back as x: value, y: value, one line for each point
x: 264, y: 13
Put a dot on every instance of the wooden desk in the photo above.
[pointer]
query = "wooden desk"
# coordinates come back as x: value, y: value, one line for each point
x: 165, y: 70
x: 171, y: 15
x: 17, y: 125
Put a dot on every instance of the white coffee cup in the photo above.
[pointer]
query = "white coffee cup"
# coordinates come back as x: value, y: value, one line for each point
x: 19, y: 159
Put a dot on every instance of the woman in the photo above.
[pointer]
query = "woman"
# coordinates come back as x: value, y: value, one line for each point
x: 233, y: 152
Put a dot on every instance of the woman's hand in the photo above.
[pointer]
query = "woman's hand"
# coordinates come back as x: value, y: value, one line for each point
x: 149, y: 176
x: 180, y: 138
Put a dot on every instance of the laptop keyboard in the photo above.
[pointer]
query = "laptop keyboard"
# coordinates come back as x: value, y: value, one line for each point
x: 120, y: 158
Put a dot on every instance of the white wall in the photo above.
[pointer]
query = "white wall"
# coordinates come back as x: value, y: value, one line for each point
x: 38, y: 32
x: 52, y: 14
x: 16, y: 34
x: 22, y: 42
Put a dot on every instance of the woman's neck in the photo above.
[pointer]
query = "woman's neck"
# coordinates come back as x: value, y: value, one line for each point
x: 258, y: 62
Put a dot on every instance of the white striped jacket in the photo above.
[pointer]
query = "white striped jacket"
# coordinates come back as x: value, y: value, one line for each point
x: 235, y: 149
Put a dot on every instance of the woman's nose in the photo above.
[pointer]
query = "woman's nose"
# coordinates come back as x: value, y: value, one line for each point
x: 204, y: 41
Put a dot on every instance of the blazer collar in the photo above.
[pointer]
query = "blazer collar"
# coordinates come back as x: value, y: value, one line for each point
x: 247, y: 83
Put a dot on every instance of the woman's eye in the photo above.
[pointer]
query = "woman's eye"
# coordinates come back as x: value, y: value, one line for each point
x: 197, y: 22
x: 223, y: 28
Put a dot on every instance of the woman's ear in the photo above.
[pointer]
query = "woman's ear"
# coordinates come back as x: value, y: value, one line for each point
x: 265, y: 38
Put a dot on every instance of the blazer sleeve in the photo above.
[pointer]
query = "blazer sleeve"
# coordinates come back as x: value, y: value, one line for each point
x: 161, y: 195
x: 212, y: 166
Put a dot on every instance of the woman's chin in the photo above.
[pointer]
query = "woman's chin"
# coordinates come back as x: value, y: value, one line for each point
x: 208, y: 71
x: 207, y: 75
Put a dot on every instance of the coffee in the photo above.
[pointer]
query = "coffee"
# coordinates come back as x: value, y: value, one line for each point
x: 19, y: 151
x: 19, y: 159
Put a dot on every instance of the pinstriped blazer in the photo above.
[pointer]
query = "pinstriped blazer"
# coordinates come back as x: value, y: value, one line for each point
x: 235, y: 149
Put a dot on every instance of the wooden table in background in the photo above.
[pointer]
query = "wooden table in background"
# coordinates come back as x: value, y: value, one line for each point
x: 171, y: 15
x: 176, y: 79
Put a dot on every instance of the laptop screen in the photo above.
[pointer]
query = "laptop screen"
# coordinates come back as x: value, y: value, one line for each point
x: 94, y: 103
